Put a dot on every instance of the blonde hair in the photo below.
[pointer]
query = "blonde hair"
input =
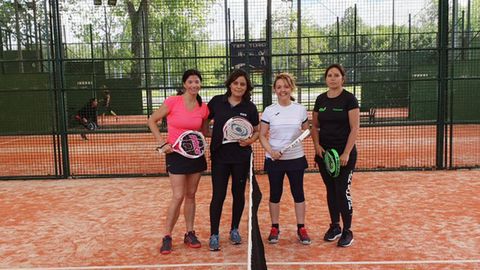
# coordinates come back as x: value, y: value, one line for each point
x: 289, y: 79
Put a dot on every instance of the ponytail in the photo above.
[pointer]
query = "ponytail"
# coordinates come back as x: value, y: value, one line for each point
x: 199, y: 100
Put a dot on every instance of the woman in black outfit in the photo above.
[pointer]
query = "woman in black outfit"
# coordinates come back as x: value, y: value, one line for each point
x: 87, y: 114
x: 231, y: 158
x: 335, y: 124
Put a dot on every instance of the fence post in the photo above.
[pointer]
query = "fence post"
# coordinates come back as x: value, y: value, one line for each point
x: 59, y: 84
x: 267, y: 74
x: 442, y: 79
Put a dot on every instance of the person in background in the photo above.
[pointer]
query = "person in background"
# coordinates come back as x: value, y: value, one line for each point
x: 105, y: 103
x: 87, y: 116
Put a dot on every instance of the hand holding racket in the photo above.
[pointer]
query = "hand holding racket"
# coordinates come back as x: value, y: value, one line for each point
x: 298, y: 140
x: 236, y: 129
x: 190, y: 144
x: 332, y: 162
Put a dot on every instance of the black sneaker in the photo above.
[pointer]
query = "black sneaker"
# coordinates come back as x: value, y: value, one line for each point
x: 166, y: 245
x: 84, y: 137
x: 333, y: 233
x: 191, y: 240
x: 346, y: 239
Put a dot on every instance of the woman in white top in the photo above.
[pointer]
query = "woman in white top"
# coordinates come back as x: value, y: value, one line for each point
x: 283, y: 122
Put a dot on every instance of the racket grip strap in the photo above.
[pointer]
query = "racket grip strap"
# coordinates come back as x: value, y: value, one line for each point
x: 161, y: 146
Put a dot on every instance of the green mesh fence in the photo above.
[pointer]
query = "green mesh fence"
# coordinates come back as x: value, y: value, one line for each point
x: 415, y: 112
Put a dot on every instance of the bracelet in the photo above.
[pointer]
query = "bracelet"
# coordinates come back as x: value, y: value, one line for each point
x: 161, y: 146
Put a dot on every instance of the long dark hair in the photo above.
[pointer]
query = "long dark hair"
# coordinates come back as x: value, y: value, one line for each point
x: 235, y: 75
x: 186, y: 74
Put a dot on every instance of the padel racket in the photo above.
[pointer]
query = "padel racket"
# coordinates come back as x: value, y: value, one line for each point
x: 91, y: 126
x: 298, y: 140
x: 332, y: 162
x: 190, y: 144
x: 235, y: 129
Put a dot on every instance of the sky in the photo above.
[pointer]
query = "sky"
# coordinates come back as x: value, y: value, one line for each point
x: 322, y: 12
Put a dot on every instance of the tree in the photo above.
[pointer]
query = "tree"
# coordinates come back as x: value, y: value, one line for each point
x: 135, y: 16
x: 176, y: 23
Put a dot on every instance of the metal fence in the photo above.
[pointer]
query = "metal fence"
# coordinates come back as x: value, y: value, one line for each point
x: 413, y: 65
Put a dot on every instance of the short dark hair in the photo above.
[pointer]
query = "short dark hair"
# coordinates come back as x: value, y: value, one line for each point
x: 337, y: 66
x: 235, y: 74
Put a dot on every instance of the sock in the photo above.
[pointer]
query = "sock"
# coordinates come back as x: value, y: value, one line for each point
x: 300, y: 226
x: 276, y: 225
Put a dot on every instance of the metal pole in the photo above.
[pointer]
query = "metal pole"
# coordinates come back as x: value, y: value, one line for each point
x: 247, y: 38
x: 92, y: 56
x: 299, y: 49
x: 393, y: 23
x: 146, y: 63
x: 37, y: 39
x: 19, y: 37
x: 106, y: 39
x: 267, y: 76
x: 409, y: 59
x: 2, y: 67
x: 227, y: 17
x: 355, y: 51
x: 442, y: 80
x: 163, y: 62
x: 59, y: 85
x: 338, y: 40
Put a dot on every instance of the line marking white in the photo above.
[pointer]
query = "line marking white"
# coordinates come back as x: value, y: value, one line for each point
x: 7, y: 141
x: 245, y: 264
x: 148, y: 266
x: 377, y: 262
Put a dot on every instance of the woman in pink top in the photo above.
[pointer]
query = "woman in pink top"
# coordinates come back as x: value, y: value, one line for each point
x: 186, y: 111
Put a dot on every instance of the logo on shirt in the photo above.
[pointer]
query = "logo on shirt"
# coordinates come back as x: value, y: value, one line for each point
x: 277, y: 113
x: 322, y: 109
x: 337, y: 110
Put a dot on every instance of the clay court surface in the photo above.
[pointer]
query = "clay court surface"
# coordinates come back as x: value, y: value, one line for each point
x: 402, y: 220
x: 133, y: 153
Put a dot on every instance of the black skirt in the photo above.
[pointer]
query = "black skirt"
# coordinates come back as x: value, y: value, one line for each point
x: 178, y: 164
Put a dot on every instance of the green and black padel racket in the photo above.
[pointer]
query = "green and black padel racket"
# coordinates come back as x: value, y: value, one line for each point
x: 332, y: 162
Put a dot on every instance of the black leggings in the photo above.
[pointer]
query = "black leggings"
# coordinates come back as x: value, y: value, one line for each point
x: 338, y: 190
x: 220, y: 175
x: 295, y: 177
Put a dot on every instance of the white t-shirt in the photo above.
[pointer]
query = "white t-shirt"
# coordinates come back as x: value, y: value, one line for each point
x: 285, y: 126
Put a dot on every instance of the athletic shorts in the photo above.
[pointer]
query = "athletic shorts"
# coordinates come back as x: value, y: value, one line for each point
x: 285, y: 165
x: 178, y: 164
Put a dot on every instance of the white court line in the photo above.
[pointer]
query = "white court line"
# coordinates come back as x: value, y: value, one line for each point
x: 244, y: 264
x: 9, y: 141
x: 377, y: 262
x: 147, y: 266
